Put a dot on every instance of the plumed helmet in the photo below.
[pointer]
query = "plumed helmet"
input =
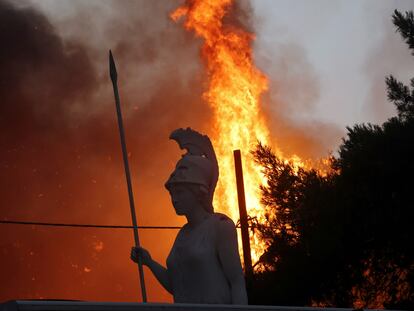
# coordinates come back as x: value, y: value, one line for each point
x: 192, y: 169
x: 199, y: 165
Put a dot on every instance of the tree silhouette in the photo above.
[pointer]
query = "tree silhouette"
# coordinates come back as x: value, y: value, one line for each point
x: 344, y: 239
x: 398, y: 93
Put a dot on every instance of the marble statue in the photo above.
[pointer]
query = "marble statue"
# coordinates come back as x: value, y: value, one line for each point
x: 204, y: 264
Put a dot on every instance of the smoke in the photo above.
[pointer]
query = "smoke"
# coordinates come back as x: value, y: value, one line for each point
x: 294, y: 90
x: 33, y: 59
x: 60, y: 152
x: 362, y: 52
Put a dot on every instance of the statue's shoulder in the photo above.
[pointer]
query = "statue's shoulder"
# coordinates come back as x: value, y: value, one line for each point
x: 223, y: 219
x: 220, y: 216
x: 225, y: 229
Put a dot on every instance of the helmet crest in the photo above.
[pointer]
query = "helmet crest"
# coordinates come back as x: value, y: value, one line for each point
x: 197, y: 166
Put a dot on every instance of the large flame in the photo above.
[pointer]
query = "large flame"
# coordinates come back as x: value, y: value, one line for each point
x: 235, y: 87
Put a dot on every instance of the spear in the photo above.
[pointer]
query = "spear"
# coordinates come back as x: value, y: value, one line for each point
x: 114, y: 78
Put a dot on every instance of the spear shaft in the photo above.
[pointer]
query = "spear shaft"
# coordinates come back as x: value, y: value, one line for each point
x: 114, y: 78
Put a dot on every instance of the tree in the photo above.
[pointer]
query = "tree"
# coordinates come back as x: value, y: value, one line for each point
x: 300, y: 232
x: 344, y: 239
x: 402, y: 95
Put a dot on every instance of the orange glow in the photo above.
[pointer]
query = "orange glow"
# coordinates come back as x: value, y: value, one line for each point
x: 235, y: 87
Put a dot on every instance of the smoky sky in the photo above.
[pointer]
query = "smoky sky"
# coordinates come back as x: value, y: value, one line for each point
x: 345, y: 47
x: 60, y: 153
x: 390, y: 55
x: 33, y: 58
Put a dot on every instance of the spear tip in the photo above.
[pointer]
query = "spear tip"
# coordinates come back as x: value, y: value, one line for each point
x: 112, y: 67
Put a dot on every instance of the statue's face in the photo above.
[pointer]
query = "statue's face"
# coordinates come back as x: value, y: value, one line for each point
x: 182, y: 198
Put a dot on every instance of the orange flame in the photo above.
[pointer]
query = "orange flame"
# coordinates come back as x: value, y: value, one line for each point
x: 235, y: 87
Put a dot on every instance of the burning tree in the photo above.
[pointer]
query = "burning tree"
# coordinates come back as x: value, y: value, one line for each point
x: 344, y: 239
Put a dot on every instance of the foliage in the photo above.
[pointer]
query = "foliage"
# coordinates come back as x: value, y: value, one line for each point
x: 405, y: 26
x: 398, y: 93
x: 344, y: 239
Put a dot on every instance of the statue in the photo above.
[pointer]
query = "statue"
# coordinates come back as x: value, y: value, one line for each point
x: 204, y: 264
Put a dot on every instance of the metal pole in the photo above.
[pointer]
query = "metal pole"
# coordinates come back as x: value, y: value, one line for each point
x: 114, y: 78
x: 243, y: 215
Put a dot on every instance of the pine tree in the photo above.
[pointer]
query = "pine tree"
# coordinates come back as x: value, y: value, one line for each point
x: 400, y: 94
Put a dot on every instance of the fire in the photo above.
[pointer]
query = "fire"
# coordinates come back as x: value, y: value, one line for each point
x: 235, y: 87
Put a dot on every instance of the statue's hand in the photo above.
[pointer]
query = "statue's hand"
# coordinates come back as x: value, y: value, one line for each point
x: 137, y: 252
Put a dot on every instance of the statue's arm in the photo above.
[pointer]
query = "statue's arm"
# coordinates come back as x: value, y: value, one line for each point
x: 230, y: 260
x: 160, y: 272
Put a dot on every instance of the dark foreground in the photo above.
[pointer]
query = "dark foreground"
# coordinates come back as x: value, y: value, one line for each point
x: 58, y: 305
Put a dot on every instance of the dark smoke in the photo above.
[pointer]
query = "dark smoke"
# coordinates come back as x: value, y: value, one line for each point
x: 60, y: 152
x: 41, y: 76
